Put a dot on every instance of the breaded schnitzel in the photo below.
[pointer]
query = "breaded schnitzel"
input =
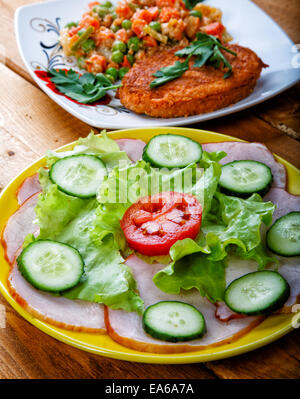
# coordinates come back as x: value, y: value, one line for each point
x: 197, y: 91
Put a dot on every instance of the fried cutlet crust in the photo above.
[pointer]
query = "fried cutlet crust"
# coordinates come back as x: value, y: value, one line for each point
x: 197, y: 91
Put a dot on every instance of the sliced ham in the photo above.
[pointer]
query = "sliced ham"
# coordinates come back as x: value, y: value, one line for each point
x: 133, y: 148
x: 19, y: 225
x: 73, y: 315
x: 66, y: 313
x: 224, y: 313
x: 28, y: 188
x: 284, y: 201
x: 237, y: 151
x: 126, y: 328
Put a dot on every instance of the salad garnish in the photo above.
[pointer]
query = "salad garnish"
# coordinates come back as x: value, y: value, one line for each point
x: 206, y: 50
x: 87, y: 88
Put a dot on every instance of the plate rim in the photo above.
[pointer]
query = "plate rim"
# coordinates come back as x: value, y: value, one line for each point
x: 126, y: 353
x: 190, y: 120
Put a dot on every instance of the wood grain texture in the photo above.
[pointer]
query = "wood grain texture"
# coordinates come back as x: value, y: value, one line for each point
x: 30, y: 123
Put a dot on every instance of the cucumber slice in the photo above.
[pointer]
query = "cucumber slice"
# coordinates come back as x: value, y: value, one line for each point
x: 172, y: 151
x: 51, y: 265
x: 257, y: 293
x: 78, y: 175
x: 283, y: 237
x: 173, y: 321
x: 244, y: 178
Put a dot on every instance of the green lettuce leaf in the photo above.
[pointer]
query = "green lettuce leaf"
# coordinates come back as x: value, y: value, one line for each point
x: 192, y: 269
x: 102, y: 146
x: 235, y: 221
x: 68, y: 219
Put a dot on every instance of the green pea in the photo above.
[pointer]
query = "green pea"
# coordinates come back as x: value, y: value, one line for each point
x: 114, y: 28
x: 88, y: 45
x: 114, y: 15
x: 119, y: 46
x: 117, y: 57
x: 101, y: 11
x: 155, y: 25
x: 113, y: 72
x: 126, y: 24
x: 107, y: 4
x: 134, y: 43
x: 71, y: 24
x: 122, y: 72
x: 130, y: 58
x: 195, y: 13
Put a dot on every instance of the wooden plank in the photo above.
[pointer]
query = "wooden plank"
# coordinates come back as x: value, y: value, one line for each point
x: 8, y: 46
x: 14, y: 156
x: 32, y: 117
x: 278, y: 360
x: 283, y: 112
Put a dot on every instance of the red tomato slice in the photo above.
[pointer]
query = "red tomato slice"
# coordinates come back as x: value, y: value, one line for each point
x: 153, y: 224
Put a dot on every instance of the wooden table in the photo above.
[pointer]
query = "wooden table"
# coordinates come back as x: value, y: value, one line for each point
x: 31, y: 123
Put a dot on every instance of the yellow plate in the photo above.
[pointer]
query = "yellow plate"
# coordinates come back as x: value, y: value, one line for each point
x: 272, y: 328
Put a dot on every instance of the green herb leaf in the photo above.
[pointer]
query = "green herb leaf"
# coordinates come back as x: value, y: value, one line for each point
x: 169, y: 73
x: 85, y: 89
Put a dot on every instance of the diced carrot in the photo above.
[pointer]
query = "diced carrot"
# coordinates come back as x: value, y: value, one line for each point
x: 154, y: 11
x: 73, y: 31
x: 150, y: 41
x: 138, y: 27
x: 123, y: 10
x: 145, y: 15
x: 215, y: 29
x: 96, y: 63
x: 167, y: 13
x: 122, y: 35
x: 165, y: 3
x: 89, y: 21
x: 93, y: 4
x: 104, y: 36
x: 125, y: 62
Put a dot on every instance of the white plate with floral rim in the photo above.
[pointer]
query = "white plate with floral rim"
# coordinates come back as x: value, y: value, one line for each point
x: 37, y: 29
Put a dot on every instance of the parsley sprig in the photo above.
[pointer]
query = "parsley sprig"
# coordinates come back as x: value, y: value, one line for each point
x: 85, y: 89
x: 206, y: 49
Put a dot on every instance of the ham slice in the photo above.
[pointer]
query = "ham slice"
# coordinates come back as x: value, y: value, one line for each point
x: 19, y: 225
x: 73, y: 315
x: 237, y: 151
x: 224, y: 313
x: 133, y: 148
x: 126, y: 328
x: 284, y: 201
x: 29, y: 187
